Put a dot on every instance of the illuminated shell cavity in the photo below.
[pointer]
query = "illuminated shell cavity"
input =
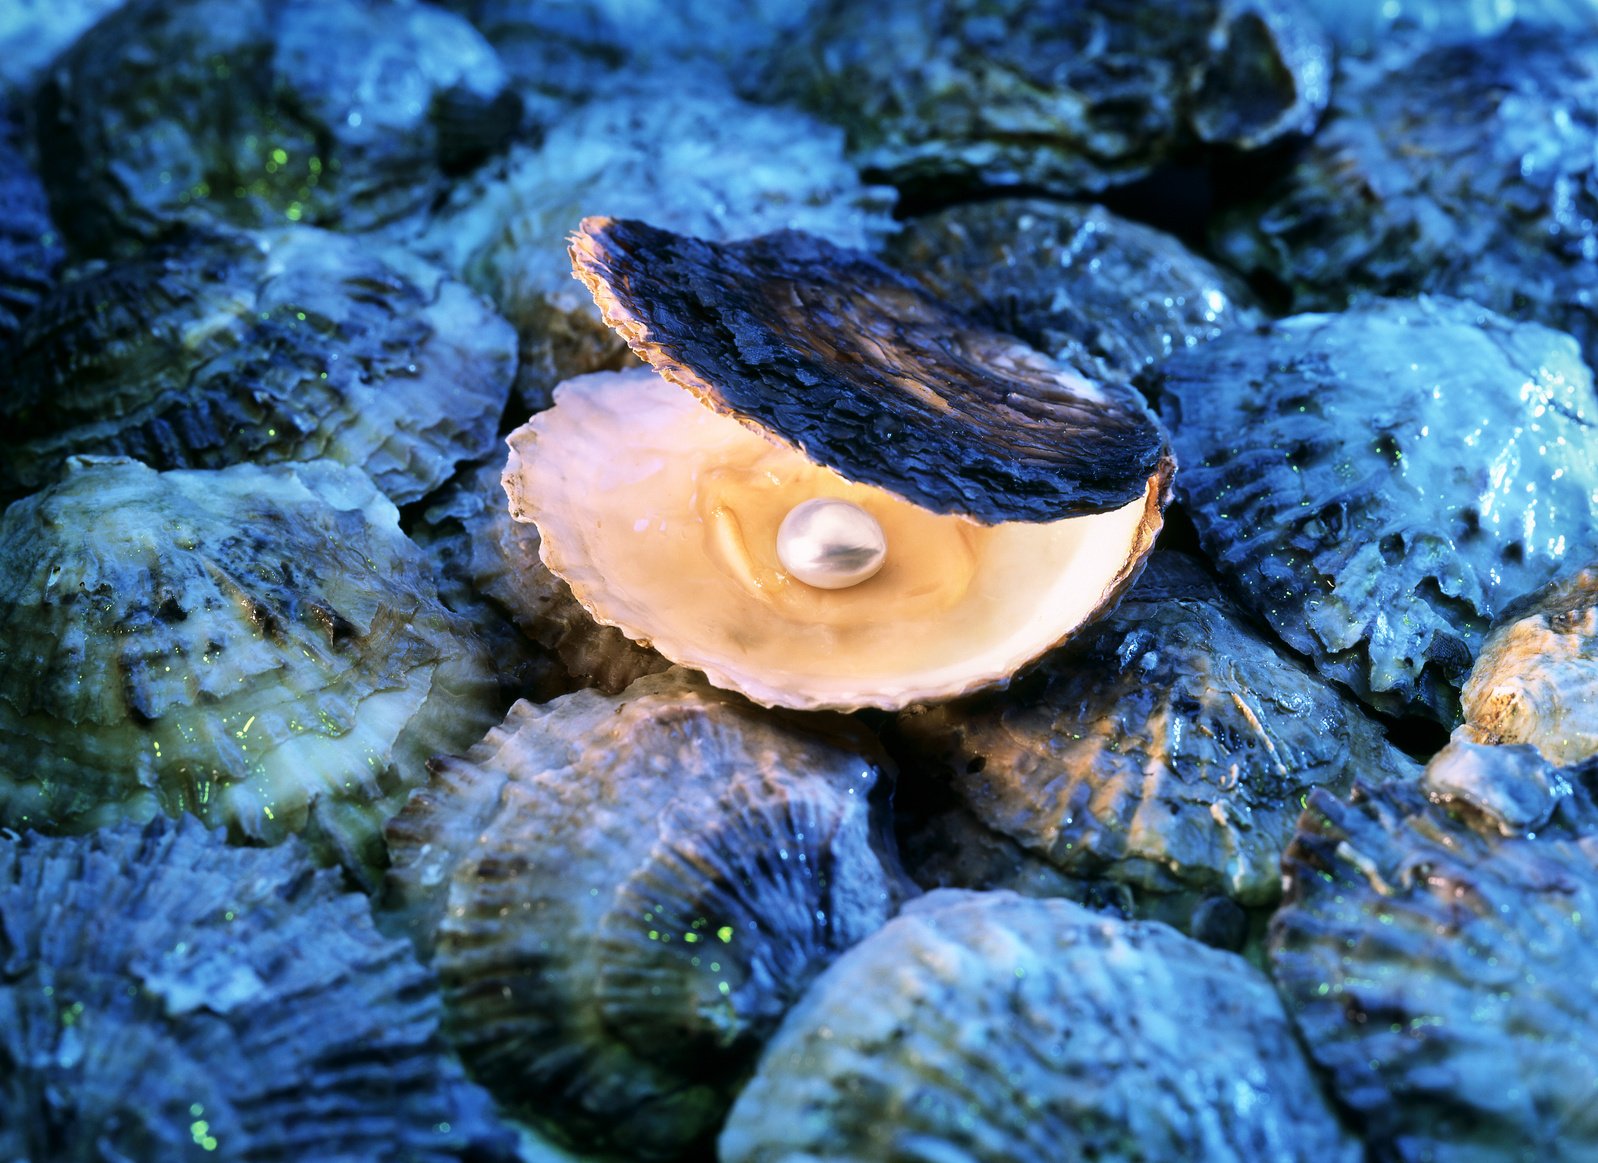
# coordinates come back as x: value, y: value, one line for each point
x: 992, y: 1028
x: 1437, y: 948
x: 288, y: 344
x: 1536, y: 678
x: 1324, y: 463
x: 1017, y: 498
x: 262, y: 647
x: 625, y: 893
x: 1167, y: 748
x: 164, y: 996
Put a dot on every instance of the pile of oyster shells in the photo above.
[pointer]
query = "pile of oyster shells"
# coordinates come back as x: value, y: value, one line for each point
x: 334, y: 827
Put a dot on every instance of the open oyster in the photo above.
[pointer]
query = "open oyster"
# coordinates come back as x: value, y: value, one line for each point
x: 1017, y: 498
x: 996, y: 1029
x: 1070, y: 96
x: 624, y: 894
x: 339, y: 113
x: 289, y: 344
x: 1073, y: 280
x: 1380, y: 483
x: 166, y: 997
x: 30, y: 249
x: 690, y: 156
x: 259, y: 646
x: 1437, y: 948
x: 1168, y: 749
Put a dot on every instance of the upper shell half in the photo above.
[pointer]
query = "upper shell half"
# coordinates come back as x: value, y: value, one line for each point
x: 1016, y: 496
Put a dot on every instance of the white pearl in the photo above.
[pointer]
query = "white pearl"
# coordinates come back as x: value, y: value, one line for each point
x: 830, y: 544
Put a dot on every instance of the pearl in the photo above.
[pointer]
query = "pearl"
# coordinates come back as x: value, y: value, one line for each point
x: 830, y: 544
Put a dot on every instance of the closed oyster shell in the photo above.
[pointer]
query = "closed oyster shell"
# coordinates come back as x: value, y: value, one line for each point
x: 1074, y: 97
x: 1536, y: 678
x: 690, y: 156
x: 1073, y: 280
x: 624, y: 894
x: 995, y: 1029
x: 338, y: 113
x: 261, y: 647
x: 30, y: 248
x: 166, y: 997
x: 1465, y: 171
x: 289, y: 344
x: 1437, y: 949
x: 1169, y: 749
x: 1381, y: 482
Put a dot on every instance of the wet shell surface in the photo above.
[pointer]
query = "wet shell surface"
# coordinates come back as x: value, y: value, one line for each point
x: 689, y: 156
x: 166, y: 997
x: 624, y: 894
x: 338, y: 113
x: 1379, y: 484
x: 995, y: 1029
x: 1068, y: 96
x: 1437, y: 947
x: 1466, y: 171
x: 1536, y: 678
x: 1073, y: 280
x: 261, y: 647
x: 235, y: 346
x: 30, y: 249
x: 1168, y: 749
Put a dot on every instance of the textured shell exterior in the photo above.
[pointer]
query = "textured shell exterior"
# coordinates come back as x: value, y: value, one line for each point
x: 34, y: 32
x: 485, y: 557
x: 1168, y: 748
x: 1536, y: 678
x: 262, y: 647
x: 692, y: 158
x: 624, y: 895
x: 339, y: 113
x: 1441, y: 174
x: 290, y: 344
x: 996, y: 1029
x: 1072, y: 97
x: 1073, y: 280
x: 165, y: 996
x: 30, y: 249
x: 1363, y: 25
x: 1380, y: 483
x: 1437, y: 951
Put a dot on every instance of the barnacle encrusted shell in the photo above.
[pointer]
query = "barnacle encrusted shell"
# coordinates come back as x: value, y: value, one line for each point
x: 1536, y: 678
x: 689, y: 156
x: 992, y: 1028
x: 30, y: 248
x: 339, y: 113
x: 1071, y: 96
x: 624, y: 895
x: 1168, y: 748
x: 484, y: 556
x: 1018, y: 497
x: 1072, y: 280
x: 1467, y: 171
x: 289, y: 344
x: 1438, y: 946
x: 166, y: 997
x: 1381, y: 482
x: 262, y: 647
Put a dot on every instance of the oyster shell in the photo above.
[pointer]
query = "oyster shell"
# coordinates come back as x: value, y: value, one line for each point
x: 1075, y: 281
x: 1069, y: 96
x: 996, y: 1029
x: 30, y: 248
x: 1437, y: 950
x: 164, y: 996
x: 259, y: 646
x: 1536, y: 678
x: 1381, y: 482
x: 278, y: 345
x: 1466, y: 170
x: 624, y: 894
x: 338, y: 113
x: 690, y: 156
x: 1363, y: 25
x: 1168, y: 748
x: 34, y: 32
